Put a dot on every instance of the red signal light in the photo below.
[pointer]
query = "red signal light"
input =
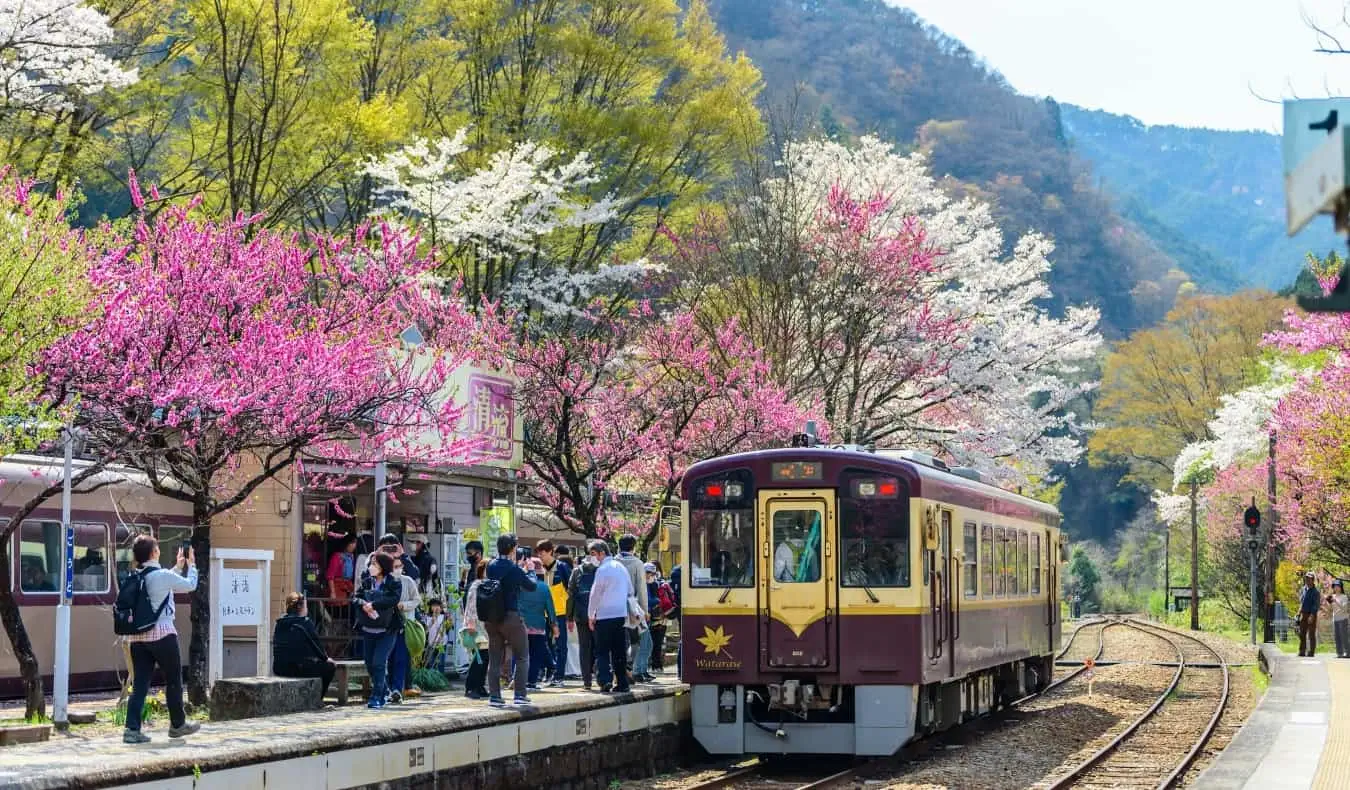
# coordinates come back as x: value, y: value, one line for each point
x: 887, y: 489
x: 713, y: 489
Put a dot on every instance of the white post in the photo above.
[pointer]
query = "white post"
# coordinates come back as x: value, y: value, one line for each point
x: 216, y: 652
x: 263, y: 638
x: 381, y: 512
x: 61, y: 670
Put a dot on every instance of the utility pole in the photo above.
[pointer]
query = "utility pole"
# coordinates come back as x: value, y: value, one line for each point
x: 1195, y: 559
x: 1167, y: 567
x: 1268, y: 633
x: 61, y: 664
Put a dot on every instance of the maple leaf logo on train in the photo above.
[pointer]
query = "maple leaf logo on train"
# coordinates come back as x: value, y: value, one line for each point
x: 715, y: 641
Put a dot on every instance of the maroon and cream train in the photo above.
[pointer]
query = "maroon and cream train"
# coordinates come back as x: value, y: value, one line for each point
x: 840, y: 601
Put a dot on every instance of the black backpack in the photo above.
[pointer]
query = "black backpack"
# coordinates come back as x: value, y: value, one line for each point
x: 582, y: 606
x: 133, y: 613
x: 490, y: 601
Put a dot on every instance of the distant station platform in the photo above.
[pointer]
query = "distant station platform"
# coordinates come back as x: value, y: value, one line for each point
x: 1288, y: 743
x: 441, y: 740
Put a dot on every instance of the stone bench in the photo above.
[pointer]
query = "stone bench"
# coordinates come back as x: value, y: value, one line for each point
x: 346, y: 670
x: 247, y: 698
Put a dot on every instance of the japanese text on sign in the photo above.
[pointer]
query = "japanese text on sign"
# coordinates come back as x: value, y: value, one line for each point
x: 492, y: 416
x: 241, y: 597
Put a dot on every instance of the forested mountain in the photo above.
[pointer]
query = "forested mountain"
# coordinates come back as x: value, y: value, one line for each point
x: 1220, y: 191
x: 862, y: 66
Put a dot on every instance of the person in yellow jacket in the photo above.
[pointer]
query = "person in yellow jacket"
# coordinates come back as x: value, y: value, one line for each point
x: 557, y: 572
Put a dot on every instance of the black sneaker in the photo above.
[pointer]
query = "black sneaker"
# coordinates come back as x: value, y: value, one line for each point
x: 520, y: 701
x: 531, y: 687
x: 187, y: 729
x: 497, y: 702
x: 556, y: 683
x: 473, y: 695
x: 134, y: 736
x: 395, y: 697
x: 605, y: 687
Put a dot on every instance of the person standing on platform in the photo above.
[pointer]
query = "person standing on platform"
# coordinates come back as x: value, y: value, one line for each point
x: 509, y: 631
x: 1309, y: 601
x: 1339, y: 605
x: 541, y: 621
x: 376, y: 606
x: 608, y: 613
x: 474, y: 636
x: 578, y: 612
x: 556, y: 573
x: 639, y: 636
x: 400, y: 661
x: 159, y: 645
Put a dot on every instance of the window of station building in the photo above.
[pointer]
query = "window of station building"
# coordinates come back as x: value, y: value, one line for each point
x: 1035, y: 563
x: 969, y: 559
x: 987, y: 560
x: 721, y: 547
x: 1000, y: 563
x: 1023, y: 563
x: 41, y: 557
x: 874, y: 531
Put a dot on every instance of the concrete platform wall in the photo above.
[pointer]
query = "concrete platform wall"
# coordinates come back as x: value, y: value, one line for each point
x: 579, y: 750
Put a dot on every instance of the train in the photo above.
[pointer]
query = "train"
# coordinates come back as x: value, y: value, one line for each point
x: 845, y: 600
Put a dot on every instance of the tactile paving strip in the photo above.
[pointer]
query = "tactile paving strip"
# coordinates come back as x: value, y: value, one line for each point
x: 1333, y: 770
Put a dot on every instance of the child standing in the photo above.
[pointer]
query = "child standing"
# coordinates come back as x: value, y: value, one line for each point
x: 439, y: 632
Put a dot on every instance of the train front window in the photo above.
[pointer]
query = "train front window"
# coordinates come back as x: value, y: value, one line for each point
x: 721, y: 547
x: 797, y: 535
x: 873, y: 531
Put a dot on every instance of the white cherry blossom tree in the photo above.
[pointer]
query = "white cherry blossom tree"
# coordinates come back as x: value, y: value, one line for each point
x: 896, y: 308
x: 51, y: 50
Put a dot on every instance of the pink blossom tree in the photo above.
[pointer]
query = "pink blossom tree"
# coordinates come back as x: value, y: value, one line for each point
x: 219, y: 353
x: 630, y: 403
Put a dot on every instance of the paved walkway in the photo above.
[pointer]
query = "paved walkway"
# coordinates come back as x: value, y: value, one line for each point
x: 1288, y: 743
x: 100, y: 759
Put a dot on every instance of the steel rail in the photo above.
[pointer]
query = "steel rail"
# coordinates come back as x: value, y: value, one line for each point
x: 1101, y: 754
x: 730, y: 777
x: 1200, y: 742
x: 1105, y: 623
x: 830, y: 780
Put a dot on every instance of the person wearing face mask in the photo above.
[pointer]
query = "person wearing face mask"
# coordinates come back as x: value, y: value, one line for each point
x: 541, y: 621
x: 400, y: 661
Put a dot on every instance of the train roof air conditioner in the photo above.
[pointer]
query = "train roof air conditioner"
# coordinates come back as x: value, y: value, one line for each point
x: 969, y: 473
x: 917, y: 456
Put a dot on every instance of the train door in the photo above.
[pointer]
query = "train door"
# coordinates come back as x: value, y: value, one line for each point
x: 951, y: 595
x: 1052, y: 592
x: 797, y: 598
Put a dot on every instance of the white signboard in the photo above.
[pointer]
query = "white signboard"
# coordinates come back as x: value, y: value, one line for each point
x: 241, y: 600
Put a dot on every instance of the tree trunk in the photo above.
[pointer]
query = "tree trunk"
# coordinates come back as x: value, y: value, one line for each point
x: 197, y: 686
x: 35, y: 702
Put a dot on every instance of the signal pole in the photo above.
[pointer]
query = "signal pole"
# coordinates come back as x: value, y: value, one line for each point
x: 1268, y: 634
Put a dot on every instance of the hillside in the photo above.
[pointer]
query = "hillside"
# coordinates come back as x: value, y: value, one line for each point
x: 861, y: 66
x: 1221, y: 191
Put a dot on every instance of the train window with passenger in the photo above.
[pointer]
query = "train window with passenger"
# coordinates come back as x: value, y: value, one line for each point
x: 969, y: 559
x: 722, y: 530
x: 796, y: 539
x: 987, y: 560
x: 41, y: 557
x: 1035, y: 563
x: 873, y: 531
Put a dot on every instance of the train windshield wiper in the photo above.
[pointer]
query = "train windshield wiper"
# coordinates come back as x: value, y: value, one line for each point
x: 871, y: 596
x: 725, y: 593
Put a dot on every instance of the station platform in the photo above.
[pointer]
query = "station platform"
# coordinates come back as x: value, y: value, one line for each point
x: 1288, y: 743
x: 442, y: 740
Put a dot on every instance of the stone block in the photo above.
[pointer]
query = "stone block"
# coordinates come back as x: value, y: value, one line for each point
x: 247, y: 698
x: 81, y: 716
x: 12, y: 734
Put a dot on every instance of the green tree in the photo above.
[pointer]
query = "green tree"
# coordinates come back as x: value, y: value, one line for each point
x: 1084, y: 580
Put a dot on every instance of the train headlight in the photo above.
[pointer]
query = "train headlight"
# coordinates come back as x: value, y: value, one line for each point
x: 867, y: 488
x: 735, y: 490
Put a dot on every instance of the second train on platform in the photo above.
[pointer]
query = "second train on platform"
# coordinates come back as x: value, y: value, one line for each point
x: 839, y: 601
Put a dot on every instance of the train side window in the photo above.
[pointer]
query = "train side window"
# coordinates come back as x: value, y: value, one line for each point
x: 1011, y: 537
x: 1023, y: 562
x: 969, y: 559
x: 987, y: 560
x: 1035, y: 563
x: 874, y: 532
x: 1000, y: 563
x: 721, y: 547
x: 41, y: 557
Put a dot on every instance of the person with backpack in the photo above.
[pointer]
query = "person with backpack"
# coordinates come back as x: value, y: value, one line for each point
x: 400, y: 660
x: 143, y: 616
x: 474, y: 635
x: 578, y: 609
x: 375, y: 609
x: 499, y: 610
x: 541, y: 622
x: 661, y: 603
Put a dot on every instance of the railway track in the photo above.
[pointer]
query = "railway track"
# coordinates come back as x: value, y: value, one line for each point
x: 747, y: 776
x: 1157, y: 748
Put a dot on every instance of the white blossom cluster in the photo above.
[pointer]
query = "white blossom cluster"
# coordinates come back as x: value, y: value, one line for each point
x: 1241, y: 427
x: 502, y: 210
x: 50, y: 49
x: 996, y: 400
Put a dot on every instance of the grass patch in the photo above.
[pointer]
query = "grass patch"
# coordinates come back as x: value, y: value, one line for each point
x: 1260, y: 680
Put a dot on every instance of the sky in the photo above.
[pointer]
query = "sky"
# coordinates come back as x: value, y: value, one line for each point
x: 1182, y: 62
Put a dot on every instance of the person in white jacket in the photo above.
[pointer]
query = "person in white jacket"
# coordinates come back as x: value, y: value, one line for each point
x: 400, y: 661
x: 608, y: 615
